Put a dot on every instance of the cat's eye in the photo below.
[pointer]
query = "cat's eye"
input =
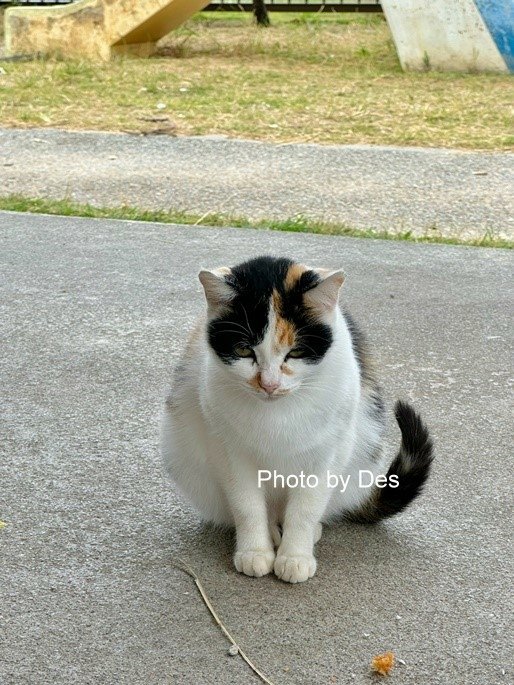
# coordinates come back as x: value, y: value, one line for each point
x: 244, y: 352
x: 295, y: 354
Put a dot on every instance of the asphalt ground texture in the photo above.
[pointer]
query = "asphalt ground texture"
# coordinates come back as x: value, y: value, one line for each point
x: 94, y: 314
x: 425, y: 191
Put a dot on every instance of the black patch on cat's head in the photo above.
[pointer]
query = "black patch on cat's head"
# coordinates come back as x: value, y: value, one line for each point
x: 244, y: 320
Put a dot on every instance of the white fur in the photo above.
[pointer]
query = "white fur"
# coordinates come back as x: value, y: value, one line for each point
x: 218, y: 432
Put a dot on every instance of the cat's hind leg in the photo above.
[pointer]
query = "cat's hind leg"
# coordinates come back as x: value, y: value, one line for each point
x: 185, y: 453
x: 318, y: 533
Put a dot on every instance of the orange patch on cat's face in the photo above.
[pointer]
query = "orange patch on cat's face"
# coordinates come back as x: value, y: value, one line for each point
x: 284, y: 330
x: 276, y: 301
x: 286, y: 370
x: 255, y: 381
x: 293, y: 275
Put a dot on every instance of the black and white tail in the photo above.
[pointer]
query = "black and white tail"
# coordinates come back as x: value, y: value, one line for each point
x: 411, y: 466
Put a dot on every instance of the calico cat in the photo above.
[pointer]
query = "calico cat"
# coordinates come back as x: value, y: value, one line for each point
x: 277, y: 379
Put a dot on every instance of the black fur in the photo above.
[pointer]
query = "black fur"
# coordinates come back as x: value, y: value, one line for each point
x: 244, y: 323
x: 367, y: 374
x: 411, y: 465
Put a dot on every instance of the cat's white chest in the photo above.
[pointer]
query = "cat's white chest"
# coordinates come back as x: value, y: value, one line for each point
x: 285, y: 433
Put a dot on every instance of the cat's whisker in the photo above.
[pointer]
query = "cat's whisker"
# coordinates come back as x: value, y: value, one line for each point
x: 311, y: 335
x: 247, y: 320
x: 235, y: 331
x: 235, y: 323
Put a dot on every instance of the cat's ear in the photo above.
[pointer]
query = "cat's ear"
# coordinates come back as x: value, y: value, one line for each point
x: 218, y: 292
x: 323, y: 297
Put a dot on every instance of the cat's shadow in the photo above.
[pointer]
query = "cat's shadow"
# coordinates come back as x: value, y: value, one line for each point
x: 360, y: 545
x: 345, y: 545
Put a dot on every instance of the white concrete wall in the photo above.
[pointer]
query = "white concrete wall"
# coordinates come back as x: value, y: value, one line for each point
x: 446, y: 35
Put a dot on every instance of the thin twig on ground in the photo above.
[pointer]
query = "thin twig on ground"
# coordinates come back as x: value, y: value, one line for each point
x: 183, y: 566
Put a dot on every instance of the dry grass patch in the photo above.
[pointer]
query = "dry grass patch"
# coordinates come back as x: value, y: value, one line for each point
x: 316, y: 79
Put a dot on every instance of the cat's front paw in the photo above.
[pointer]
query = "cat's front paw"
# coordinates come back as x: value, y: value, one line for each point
x: 256, y: 562
x: 294, y: 569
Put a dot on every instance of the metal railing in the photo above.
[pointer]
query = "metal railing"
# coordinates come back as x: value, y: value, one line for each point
x: 300, y: 5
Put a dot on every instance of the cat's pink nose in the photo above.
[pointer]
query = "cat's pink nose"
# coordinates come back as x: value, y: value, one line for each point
x: 268, y: 385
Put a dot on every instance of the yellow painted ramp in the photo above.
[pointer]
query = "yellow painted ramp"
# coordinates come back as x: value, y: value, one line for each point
x: 95, y: 29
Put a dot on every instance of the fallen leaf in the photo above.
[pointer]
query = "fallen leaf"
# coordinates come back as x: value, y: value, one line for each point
x: 383, y: 663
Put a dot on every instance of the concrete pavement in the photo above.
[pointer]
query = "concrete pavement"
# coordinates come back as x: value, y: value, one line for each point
x: 426, y: 191
x: 94, y: 314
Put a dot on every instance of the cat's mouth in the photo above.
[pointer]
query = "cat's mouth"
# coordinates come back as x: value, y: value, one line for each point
x: 273, y: 396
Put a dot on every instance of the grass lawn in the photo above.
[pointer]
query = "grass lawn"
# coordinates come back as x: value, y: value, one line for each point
x: 312, y: 78
x: 19, y: 203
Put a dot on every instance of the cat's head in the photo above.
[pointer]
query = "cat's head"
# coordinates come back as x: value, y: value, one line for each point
x: 270, y: 322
